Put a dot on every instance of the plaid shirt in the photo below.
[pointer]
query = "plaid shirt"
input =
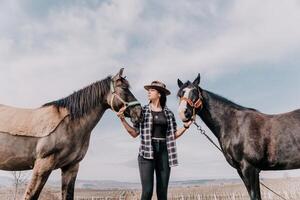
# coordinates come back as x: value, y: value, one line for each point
x: 145, y: 128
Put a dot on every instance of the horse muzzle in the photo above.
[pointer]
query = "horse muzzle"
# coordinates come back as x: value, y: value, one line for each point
x: 135, y: 113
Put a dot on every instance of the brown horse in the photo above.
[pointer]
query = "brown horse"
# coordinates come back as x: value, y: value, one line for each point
x: 65, y: 145
x: 250, y: 140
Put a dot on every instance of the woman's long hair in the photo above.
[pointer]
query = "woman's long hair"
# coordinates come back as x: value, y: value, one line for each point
x: 162, y: 99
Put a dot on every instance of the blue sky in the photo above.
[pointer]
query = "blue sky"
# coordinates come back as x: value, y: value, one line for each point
x: 246, y: 51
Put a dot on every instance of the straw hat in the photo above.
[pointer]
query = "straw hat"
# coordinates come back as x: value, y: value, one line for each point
x: 158, y: 85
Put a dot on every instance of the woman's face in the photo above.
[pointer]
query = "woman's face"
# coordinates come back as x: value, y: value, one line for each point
x: 153, y: 94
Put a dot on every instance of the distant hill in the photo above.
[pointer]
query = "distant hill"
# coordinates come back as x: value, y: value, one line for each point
x: 111, y: 184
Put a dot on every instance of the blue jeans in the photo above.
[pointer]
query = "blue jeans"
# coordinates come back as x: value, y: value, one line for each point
x: 160, y: 164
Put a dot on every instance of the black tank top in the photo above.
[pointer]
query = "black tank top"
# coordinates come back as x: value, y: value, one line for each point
x: 160, y: 124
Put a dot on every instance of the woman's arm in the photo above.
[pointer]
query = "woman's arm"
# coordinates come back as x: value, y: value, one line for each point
x: 131, y: 130
x: 180, y: 131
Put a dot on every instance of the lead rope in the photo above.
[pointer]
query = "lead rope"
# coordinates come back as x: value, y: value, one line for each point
x: 202, y: 131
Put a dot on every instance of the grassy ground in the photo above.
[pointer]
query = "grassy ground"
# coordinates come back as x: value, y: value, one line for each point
x: 288, y: 188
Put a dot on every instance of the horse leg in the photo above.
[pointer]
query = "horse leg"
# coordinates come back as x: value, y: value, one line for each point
x: 257, y: 184
x: 69, y: 174
x: 41, y: 171
x: 250, y: 177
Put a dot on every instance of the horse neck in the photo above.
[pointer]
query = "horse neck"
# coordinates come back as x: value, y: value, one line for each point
x: 216, y: 112
x: 86, y: 106
x: 88, y: 122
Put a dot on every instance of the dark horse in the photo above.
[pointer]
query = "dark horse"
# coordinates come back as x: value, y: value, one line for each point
x: 250, y: 140
x: 67, y: 145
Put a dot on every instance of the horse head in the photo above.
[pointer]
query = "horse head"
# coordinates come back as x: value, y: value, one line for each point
x: 120, y: 97
x: 191, y: 99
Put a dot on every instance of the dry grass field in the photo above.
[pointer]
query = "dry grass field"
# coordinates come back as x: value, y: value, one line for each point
x: 288, y: 188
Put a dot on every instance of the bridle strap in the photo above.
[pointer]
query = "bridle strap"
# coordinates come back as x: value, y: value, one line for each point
x: 125, y: 104
x: 197, y: 104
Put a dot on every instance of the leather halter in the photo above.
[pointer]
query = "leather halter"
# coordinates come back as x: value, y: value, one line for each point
x: 125, y: 103
x: 196, y: 105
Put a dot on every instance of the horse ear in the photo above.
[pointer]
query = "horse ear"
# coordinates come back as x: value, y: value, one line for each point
x: 179, y: 82
x: 197, y: 80
x: 121, y: 72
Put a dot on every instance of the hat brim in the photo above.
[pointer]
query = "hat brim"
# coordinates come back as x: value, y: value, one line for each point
x: 161, y: 89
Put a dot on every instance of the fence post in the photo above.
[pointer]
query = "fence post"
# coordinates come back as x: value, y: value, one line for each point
x: 233, y: 196
x: 215, y: 196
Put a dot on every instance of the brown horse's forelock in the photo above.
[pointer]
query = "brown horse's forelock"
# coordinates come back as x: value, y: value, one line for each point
x: 83, y: 101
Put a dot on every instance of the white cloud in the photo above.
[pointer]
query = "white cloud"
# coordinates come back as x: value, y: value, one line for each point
x: 187, y: 36
x: 248, y: 32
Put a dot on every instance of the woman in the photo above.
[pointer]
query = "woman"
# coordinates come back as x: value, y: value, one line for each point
x: 158, y: 132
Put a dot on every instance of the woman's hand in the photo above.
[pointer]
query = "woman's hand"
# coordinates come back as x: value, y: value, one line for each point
x: 180, y: 131
x: 128, y: 127
x: 187, y: 125
x: 120, y: 114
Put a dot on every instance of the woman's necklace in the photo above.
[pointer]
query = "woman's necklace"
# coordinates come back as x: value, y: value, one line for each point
x: 155, y: 111
x: 155, y: 115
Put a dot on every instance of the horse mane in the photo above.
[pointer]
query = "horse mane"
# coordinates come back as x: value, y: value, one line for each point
x: 224, y: 100
x: 84, y: 100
